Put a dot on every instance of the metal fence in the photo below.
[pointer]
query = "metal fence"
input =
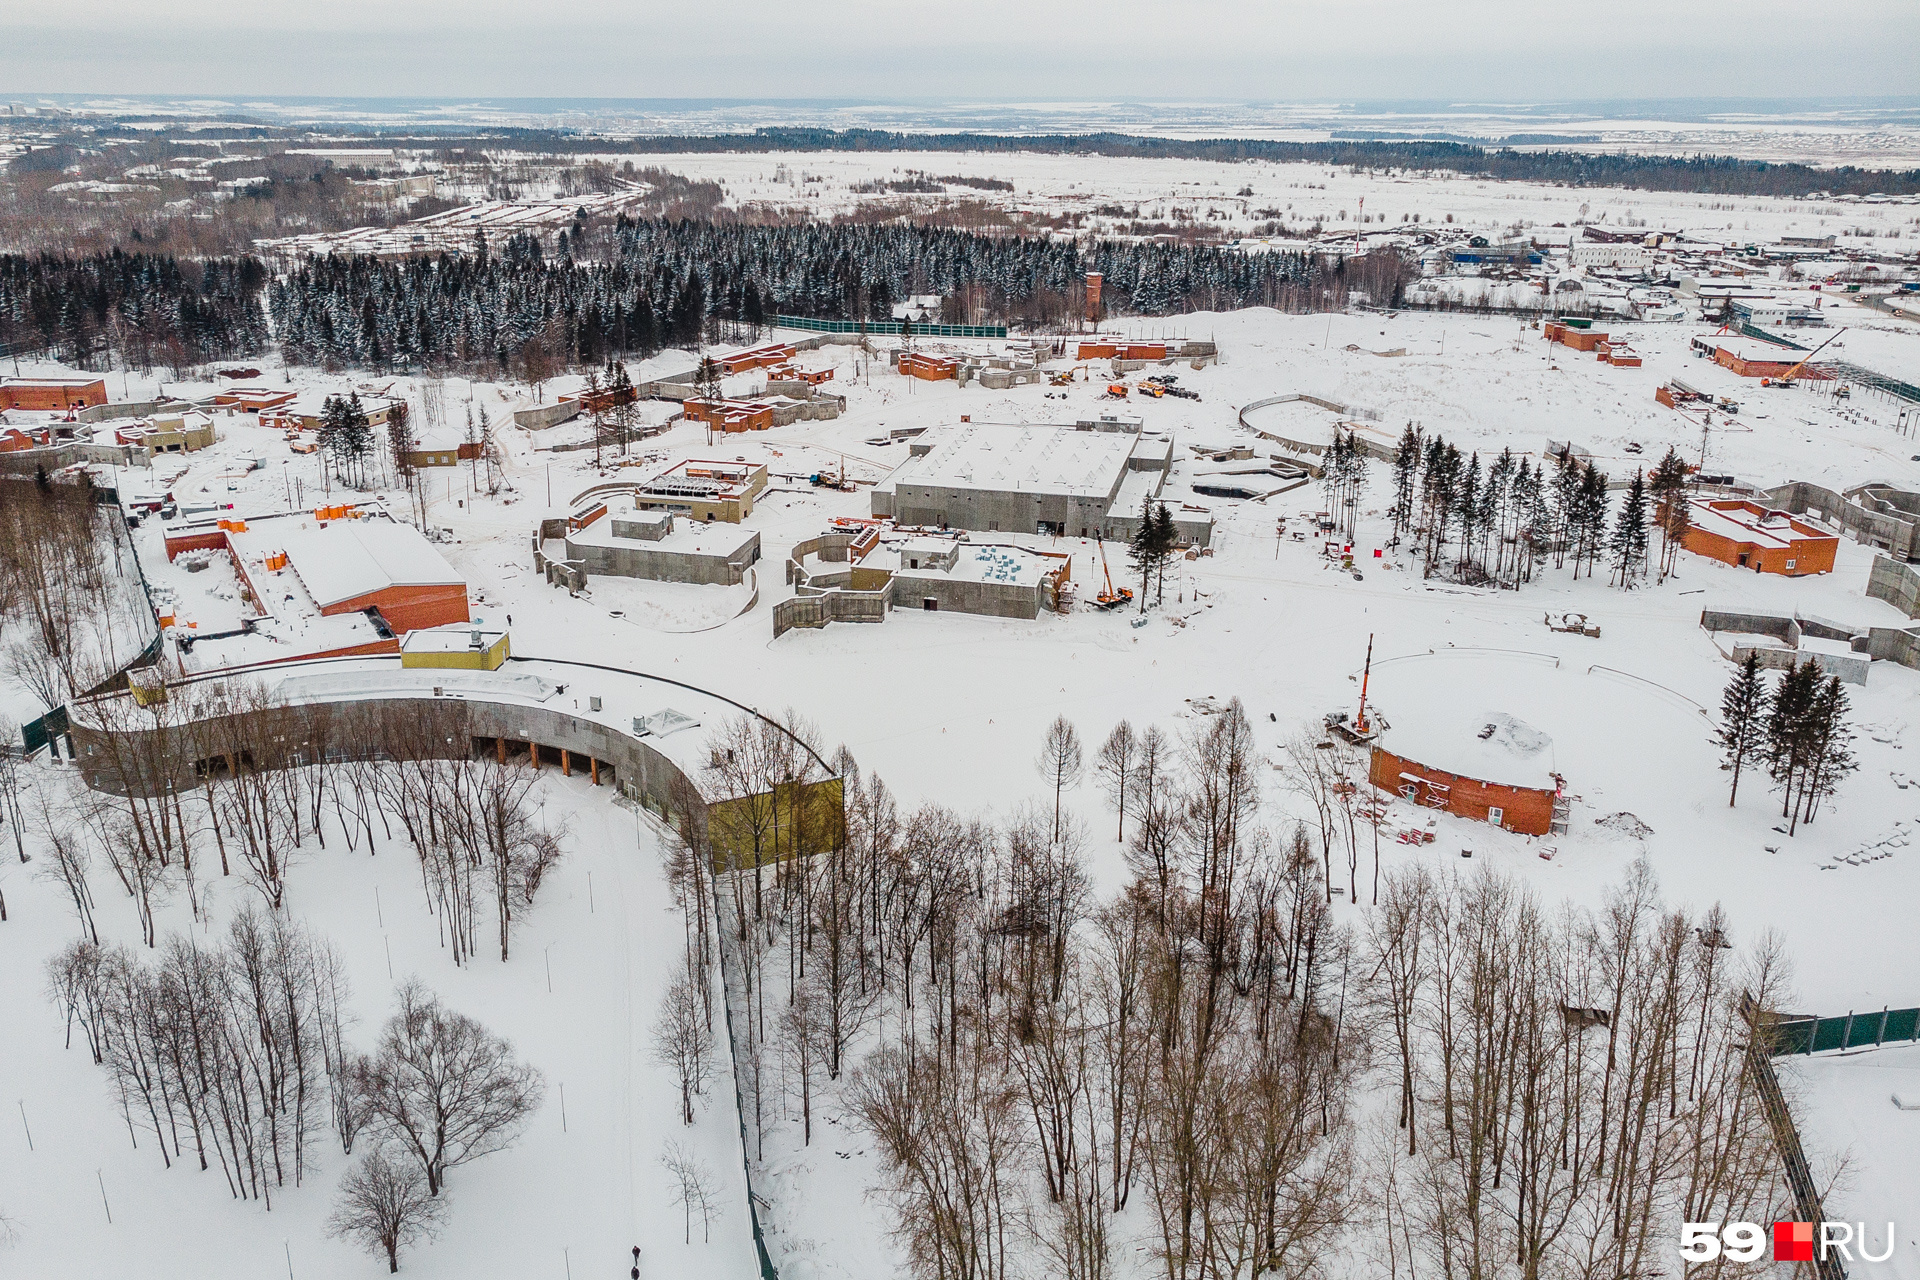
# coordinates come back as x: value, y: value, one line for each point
x: 882, y: 328
x: 1855, y: 1031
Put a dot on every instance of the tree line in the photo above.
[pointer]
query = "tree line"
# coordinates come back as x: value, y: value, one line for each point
x: 1497, y: 523
x: 1052, y: 1076
x: 1724, y: 175
x: 147, y: 309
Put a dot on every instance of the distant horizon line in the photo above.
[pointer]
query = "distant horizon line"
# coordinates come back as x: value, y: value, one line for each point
x: 1521, y: 104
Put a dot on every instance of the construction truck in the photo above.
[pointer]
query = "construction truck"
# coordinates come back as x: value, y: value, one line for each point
x: 1112, y: 598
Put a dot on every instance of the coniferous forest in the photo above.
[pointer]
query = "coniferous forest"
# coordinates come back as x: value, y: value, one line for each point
x: 662, y: 283
x: 147, y: 309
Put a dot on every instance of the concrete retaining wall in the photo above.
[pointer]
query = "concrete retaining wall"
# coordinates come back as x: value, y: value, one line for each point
x: 1755, y: 624
x: 1894, y: 582
x: 540, y: 417
x: 818, y: 409
x: 54, y: 457
x: 995, y: 599
x: 1887, y: 528
x: 1895, y: 644
x: 131, y: 409
x: 1852, y: 669
x: 828, y: 606
x: 643, y: 561
x: 1370, y: 448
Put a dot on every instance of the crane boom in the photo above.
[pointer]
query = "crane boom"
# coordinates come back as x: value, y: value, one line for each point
x: 1794, y: 372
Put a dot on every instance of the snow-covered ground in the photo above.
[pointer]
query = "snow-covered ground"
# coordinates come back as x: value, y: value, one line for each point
x: 578, y: 1189
x: 1236, y: 197
x: 952, y: 707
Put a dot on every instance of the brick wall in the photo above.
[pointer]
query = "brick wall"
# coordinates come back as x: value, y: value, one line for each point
x: 1527, y: 810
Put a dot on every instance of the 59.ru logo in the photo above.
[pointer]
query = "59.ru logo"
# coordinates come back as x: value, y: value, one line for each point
x: 1792, y: 1241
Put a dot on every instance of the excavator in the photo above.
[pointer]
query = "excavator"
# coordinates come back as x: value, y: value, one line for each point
x: 1110, y: 599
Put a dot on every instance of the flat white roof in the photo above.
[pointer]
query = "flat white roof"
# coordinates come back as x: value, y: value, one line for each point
x: 1741, y: 525
x: 1014, y: 565
x: 353, y: 558
x: 450, y: 639
x: 1021, y: 459
x: 695, y: 537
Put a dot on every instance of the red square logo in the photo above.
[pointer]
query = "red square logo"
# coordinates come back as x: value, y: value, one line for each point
x: 1793, y: 1242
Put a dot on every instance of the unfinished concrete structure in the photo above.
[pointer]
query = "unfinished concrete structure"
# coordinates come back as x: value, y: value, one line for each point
x: 635, y: 542
x: 1877, y: 514
x: 1088, y: 480
x: 702, y: 489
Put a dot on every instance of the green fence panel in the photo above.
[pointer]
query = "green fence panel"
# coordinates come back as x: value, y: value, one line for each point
x: 886, y: 328
x: 1829, y: 1033
x: 35, y: 734
x: 1851, y: 1031
x: 1793, y: 1037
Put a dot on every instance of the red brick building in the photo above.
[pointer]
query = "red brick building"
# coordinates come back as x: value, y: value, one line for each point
x: 730, y: 416
x: 1751, y: 358
x: 762, y: 356
x: 1749, y: 536
x: 929, y: 368
x: 52, y: 394
x: 1527, y: 810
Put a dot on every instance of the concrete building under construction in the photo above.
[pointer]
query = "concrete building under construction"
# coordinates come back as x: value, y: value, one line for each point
x: 1087, y: 480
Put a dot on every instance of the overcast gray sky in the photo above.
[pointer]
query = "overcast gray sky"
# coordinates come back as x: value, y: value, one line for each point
x: 1280, y: 49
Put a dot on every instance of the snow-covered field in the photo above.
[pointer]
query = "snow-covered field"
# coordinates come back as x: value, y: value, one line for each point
x: 1237, y: 197
x: 952, y: 707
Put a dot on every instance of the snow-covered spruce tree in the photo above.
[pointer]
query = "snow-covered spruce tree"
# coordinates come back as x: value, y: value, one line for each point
x: 1628, y: 544
x: 1743, y: 720
x: 1667, y: 488
x: 1789, y: 721
x: 1166, y: 548
x: 1142, y: 551
x: 1406, y: 477
x: 1829, y: 750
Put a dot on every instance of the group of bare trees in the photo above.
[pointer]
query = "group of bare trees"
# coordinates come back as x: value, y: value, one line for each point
x: 1571, y: 1084
x: 71, y: 608
x: 223, y: 770
x: 1028, y: 1059
x: 1031, y: 1060
x: 223, y: 1054
x: 236, y: 1055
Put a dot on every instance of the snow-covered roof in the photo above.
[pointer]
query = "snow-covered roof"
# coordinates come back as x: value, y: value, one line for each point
x: 1740, y: 522
x: 457, y: 638
x: 352, y: 558
x: 1491, y: 746
x: 1023, y: 459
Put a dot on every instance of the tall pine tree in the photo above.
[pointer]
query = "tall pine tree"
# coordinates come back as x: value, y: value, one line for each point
x: 1743, y: 720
